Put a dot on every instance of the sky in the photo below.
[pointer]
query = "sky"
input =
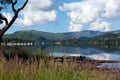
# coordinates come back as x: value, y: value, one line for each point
x: 59, y: 16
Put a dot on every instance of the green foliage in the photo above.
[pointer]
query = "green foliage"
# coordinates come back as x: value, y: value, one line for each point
x: 38, y: 54
x: 11, y: 52
x: 23, y: 53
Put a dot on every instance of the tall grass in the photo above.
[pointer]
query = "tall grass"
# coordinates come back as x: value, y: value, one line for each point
x: 46, y: 69
x: 23, y: 53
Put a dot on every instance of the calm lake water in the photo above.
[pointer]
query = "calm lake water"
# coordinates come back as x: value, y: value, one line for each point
x: 89, y: 52
x: 95, y: 53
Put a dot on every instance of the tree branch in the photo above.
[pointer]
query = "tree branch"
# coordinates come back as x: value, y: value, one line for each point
x: 4, y: 18
x: 6, y: 27
x: 19, y: 9
x: 6, y: 21
x: 13, y: 5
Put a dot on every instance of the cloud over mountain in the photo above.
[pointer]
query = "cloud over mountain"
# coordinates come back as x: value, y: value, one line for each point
x: 100, y: 26
x: 92, y: 12
x: 38, y: 12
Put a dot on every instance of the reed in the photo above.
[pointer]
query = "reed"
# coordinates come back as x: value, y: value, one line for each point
x: 47, y: 69
x: 17, y: 69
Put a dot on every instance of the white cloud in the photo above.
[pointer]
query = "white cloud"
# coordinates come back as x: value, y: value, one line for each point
x: 88, y: 11
x: 37, y: 18
x: 100, y: 26
x: 38, y: 12
x: 40, y: 4
x: 75, y: 27
x: 111, y: 8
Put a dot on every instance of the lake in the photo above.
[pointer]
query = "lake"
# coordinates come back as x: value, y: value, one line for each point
x: 107, y: 53
x: 94, y: 53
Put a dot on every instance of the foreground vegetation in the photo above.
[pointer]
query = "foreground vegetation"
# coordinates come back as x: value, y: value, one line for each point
x: 44, y: 68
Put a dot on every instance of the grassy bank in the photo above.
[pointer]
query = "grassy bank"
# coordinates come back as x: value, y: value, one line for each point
x: 44, y: 69
x: 18, y: 64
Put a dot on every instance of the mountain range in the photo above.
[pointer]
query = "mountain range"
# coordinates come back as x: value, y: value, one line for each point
x: 38, y: 36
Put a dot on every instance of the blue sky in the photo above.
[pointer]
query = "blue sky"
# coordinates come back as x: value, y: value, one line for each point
x: 59, y: 16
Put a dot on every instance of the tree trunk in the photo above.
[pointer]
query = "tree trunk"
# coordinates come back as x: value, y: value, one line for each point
x: 1, y: 36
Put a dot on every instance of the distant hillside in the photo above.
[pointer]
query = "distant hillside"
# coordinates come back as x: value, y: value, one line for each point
x: 109, y: 35
x: 116, y: 32
x: 85, y: 34
x: 39, y: 36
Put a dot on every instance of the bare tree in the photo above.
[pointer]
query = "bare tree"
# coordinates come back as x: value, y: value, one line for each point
x: 7, y: 25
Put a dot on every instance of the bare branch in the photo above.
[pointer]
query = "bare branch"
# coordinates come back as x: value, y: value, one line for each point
x: 6, y: 21
x: 4, y: 18
x: 19, y: 9
x: 16, y: 12
x: 6, y: 27
x: 13, y: 5
x: 14, y: 17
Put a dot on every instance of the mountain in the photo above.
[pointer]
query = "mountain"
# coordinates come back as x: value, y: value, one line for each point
x: 38, y: 36
x: 109, y: 35
x: 85, y: 34
x: 116, y: 32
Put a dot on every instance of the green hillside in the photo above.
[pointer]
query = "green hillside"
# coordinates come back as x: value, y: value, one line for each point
x: 37, y: 36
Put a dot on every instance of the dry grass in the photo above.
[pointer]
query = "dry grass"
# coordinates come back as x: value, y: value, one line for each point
x: 47, y: 69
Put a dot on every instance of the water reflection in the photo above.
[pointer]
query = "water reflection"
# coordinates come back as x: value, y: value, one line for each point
x: 83, y: 51
x: 73, y: 50
x: 110, y: 65
x: 89, y: 52
x: 93, y: 53
x: 105, y: 56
